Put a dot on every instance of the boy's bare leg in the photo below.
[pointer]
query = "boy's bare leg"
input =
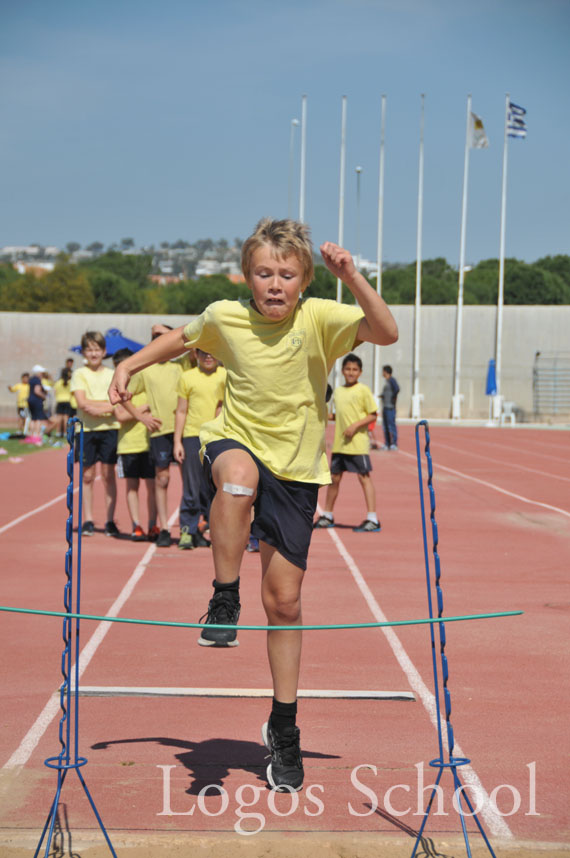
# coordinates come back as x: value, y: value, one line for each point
x: 133, y: 498
x: 161, y: 480
x: 88, y: 480
x: 281, y: 597
x: 110, y: 485
x: 151, y: 502
x: 332, y: 492
x: 230, y: 514
x: 369, y: 491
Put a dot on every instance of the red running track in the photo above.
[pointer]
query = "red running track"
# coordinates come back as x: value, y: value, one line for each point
x: 503, y: 509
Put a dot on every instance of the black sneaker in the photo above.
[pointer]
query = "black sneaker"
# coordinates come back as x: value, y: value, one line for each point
x: 285, y: 771
x: 87, y: 528
x: 223, y: 609
x: 368, y: 526
x: 111, y: 529
x: 163, y: 539
x: 200, y: 540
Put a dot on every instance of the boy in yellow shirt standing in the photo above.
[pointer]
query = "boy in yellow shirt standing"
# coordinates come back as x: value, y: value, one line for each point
x: 22, y: 388
x: 133, y: 458
x: 266, y: 449
x: 200, y: 395
x: 355, y: 407
x: 89, y: 384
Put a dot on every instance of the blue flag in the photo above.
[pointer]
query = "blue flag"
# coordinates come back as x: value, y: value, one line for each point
x: 491, y: 386
x: 516, y: 124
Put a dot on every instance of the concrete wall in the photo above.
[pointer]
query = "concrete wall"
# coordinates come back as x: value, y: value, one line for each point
x: 45, y: 338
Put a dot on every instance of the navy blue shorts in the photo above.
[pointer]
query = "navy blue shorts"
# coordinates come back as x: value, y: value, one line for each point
x: 341, y: 462
x: 135, y: 466
x: 162, y: 450
x: 98, y: 446
x: 284, y: 509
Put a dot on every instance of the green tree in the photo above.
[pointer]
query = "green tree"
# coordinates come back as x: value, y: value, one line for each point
x: 63, y: 290
x: 114, y: 294
x: 559, y: 265
x: 132, y: 267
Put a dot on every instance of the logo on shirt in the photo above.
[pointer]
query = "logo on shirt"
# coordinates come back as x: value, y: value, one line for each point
x: 296, y: 340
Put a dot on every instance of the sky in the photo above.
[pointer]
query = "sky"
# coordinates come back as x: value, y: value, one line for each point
x: 160, y: 121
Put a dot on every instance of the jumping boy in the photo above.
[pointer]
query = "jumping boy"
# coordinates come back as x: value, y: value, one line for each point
x: 266, y: 448
x: 200, y: 395
x: 355, y: 408
x: 134, y: 463
x: 89, y: 385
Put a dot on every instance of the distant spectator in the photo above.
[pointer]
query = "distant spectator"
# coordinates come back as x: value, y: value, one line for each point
x: 22, y: 388
x: 389, y: 395
x: 36, y: 399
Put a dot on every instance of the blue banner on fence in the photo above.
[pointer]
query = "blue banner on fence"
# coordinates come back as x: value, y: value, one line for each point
x: 491, y: 386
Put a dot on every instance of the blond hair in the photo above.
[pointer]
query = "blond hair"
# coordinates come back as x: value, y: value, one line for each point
x: 285, y: 237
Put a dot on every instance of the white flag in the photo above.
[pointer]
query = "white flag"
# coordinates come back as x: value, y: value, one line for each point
x: 477, y: 139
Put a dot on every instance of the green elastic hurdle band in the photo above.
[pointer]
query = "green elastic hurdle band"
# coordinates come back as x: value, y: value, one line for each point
x: 261, y: 628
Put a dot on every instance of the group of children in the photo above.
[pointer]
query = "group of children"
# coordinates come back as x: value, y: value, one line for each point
x: 264, y: 454
x: 143, y: 436
x: 34, y: 391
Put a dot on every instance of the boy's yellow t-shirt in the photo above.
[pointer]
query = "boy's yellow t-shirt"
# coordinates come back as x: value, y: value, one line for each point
x: 160, y: 383
x: 276, y: 379
x: 133, y: 435
x: 203, y: 390
x: 62, y: 391
x: 352, y: 404
x: 94, y: 383
x: 23, y: 391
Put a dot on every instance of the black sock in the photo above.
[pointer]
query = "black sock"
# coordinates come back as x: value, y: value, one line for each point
x: 233, y: 586
x: 283, y: 715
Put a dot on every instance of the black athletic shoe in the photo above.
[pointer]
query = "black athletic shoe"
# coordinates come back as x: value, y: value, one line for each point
x: 163, y: 539
x: 285, y: 771
x: 200, y: 540
x: 323, y: 521
x: 111, y: 529
x: 223, y: 609
x: 87, y: 528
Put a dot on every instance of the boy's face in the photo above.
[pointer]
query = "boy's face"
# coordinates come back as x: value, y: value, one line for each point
x: 206, y: 361
x: 351, y: 372
x: 275, y: 283
x: 93, y: 354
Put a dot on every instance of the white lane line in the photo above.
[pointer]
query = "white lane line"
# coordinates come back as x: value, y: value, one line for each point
x: 503, y: 462
x: 497, y: 445
x: 32, y: 738
x: 493, y: 486
x: 495, y: 822
x: 164, y: 691
x: 33, y: 512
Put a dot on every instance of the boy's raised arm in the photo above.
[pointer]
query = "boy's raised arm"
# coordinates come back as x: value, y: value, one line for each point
x: 163, y: 348
x: 378, y: 325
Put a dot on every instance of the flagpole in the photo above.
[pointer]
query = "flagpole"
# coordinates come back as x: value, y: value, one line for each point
x: 416, y: 395
x: 376, y: 364
x: 341, y: 194
x: 303, y: 158
x: 497, y: 399
x: 457, y: 396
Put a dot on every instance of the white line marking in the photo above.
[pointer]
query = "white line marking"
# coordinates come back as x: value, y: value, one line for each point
x: 324, y: 693
x: 494, y: 487
x: 32, y: 738
x: 503, y: 462
x: 33, y: 512
x: 496, y: 823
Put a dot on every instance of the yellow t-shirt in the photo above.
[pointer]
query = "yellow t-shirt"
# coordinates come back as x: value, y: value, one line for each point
x: 133, y: 435
x: 274, y: 401
x: 94, y: 383
x: 160, y: 383
x: 23, y: 391
x: 203, y: 390
x: 62, y: 391
x: 352, y: 404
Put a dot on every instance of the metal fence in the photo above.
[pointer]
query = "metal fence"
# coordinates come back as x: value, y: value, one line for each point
x: 551, y: 382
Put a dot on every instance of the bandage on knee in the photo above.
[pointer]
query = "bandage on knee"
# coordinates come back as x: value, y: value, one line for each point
x: 233, y: 489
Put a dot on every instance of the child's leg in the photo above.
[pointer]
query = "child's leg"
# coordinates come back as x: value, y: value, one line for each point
x: 369, y: 491
x: 88, y: 480
x: 231, y: 511
x: 133, y: 498
x: 151, y: 502
x: 281, y: 597
x: 110, y: 486
x: 386, y: 427
x: 161, y: 480
x: 332, y: 492
x: 191, y: 469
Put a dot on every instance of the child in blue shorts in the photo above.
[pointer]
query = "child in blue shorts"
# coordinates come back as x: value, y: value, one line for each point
x: 266, y: 448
